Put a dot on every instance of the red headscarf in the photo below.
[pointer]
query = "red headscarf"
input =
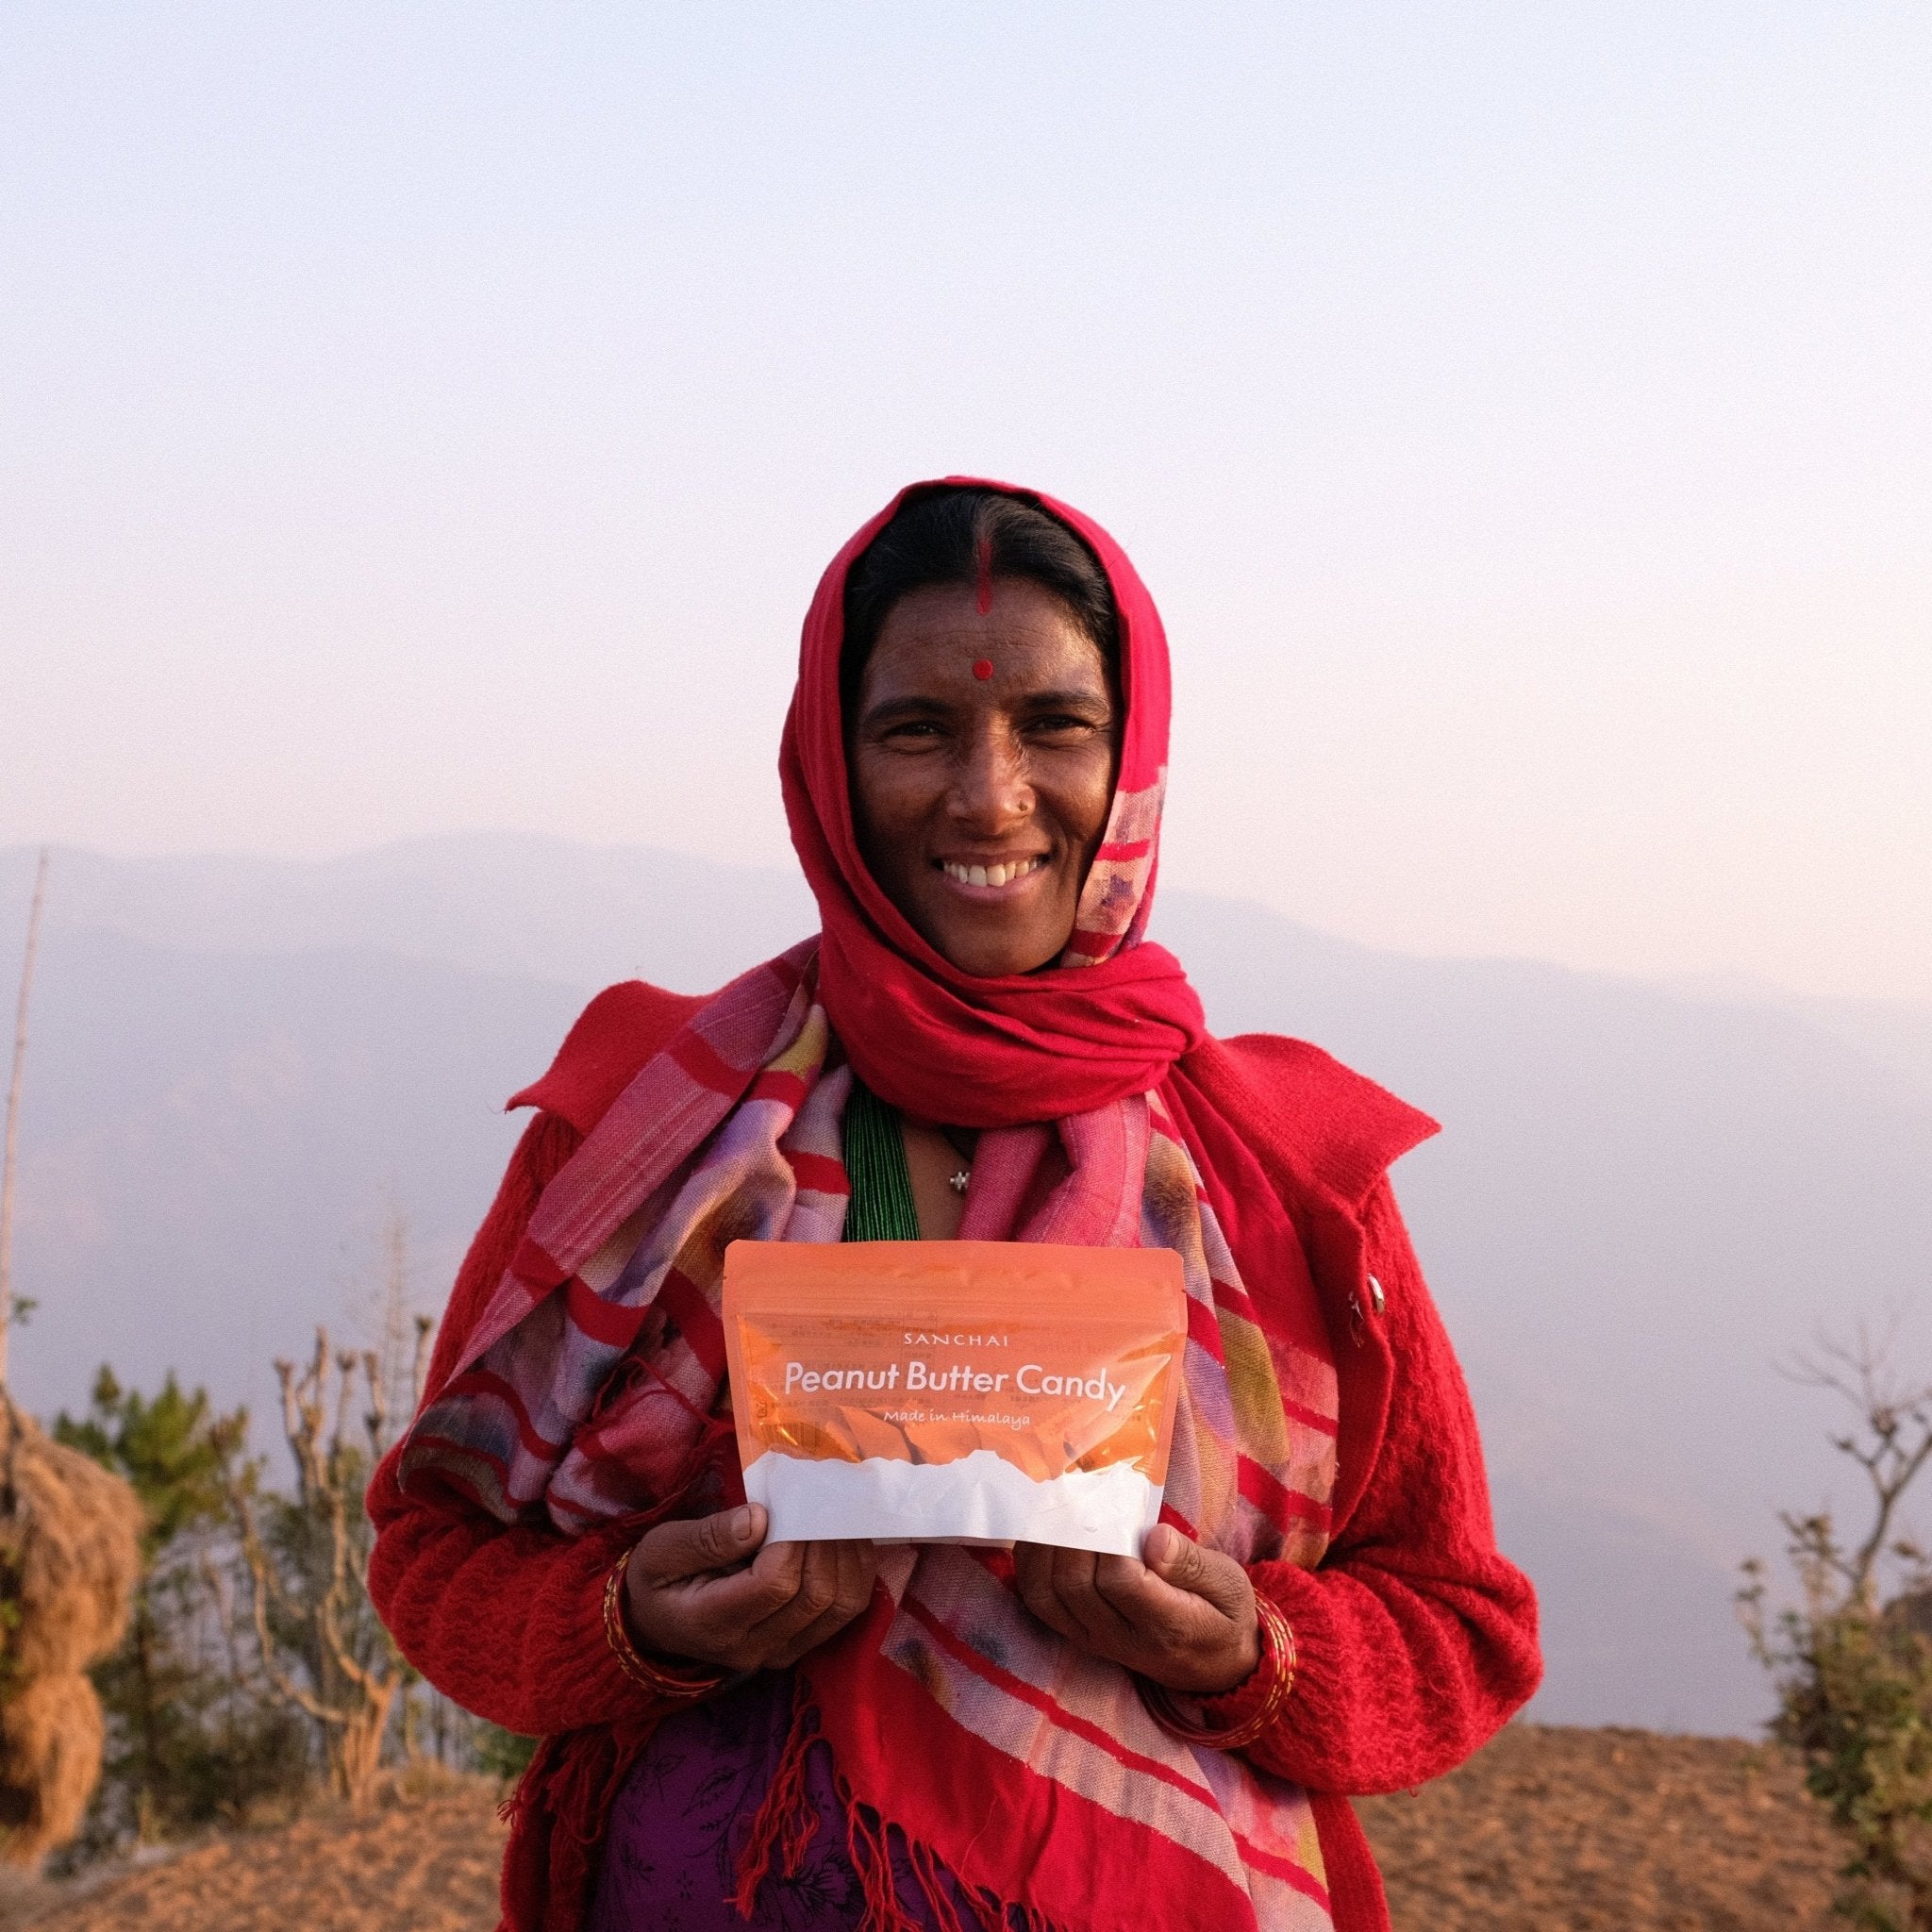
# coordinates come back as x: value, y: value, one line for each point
x: 1106, y: 1022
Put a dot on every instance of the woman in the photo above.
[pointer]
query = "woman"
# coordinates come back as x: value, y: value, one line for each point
x: 978, y: 1044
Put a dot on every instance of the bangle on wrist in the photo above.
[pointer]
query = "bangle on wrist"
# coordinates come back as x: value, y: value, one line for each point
x: 639, y: 1670
x: 1276, y: 1669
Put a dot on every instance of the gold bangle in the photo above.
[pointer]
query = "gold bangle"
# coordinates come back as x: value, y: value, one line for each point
x: 1277, y: 1659
x: 639, y: 1670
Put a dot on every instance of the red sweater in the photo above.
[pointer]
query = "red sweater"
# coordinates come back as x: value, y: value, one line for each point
x: 1415, y: 1639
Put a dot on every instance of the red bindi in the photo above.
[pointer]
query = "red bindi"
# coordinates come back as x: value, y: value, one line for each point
x: 983, y: 670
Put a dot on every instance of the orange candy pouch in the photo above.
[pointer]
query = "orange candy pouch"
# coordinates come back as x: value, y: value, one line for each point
x: 941, y: 1391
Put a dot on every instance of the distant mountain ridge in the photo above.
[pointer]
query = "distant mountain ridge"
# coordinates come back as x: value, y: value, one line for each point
x: 514, y: 904
x: 531, y: 905
x: 1643, y: 1196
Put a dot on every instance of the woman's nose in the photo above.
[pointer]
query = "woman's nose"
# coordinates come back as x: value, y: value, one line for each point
x: 990, y: 785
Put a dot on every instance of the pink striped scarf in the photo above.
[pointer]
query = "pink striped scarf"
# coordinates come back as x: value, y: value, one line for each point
x: 593, y: 1387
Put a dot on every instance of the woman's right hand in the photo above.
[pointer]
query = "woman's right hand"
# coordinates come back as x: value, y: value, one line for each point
x: 713, y: 1590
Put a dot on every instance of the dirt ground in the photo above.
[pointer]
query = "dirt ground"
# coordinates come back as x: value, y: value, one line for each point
x: 1583, y: 1829
x: 421, y: 1861
x: 1556, y: 1830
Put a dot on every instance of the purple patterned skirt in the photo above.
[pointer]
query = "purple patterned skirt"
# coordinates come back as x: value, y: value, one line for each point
x: 682, y: 1818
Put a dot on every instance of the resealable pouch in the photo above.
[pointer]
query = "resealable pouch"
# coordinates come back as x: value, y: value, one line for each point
x: 955, y: 1392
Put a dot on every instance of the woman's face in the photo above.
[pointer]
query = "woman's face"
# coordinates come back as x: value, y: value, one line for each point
x: 979, y: 799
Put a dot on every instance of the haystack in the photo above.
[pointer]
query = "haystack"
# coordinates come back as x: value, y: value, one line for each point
x: 70, y: 1556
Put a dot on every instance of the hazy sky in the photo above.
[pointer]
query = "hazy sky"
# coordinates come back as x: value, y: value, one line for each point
x: 426, y: 416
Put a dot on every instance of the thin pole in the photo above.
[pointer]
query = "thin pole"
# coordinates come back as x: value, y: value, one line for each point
x: 10, y: 1159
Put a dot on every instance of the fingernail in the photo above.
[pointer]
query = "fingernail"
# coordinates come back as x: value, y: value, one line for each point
x: 741, y: 1523
x: 1160, y: 1543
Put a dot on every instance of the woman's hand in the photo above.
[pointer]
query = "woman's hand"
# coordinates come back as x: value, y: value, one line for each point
x: 1184, y: 1617
x: 713, y: 1590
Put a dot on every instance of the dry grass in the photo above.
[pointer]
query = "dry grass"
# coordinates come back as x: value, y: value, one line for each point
x: 70, y: 1552
x: 1560, y: 1830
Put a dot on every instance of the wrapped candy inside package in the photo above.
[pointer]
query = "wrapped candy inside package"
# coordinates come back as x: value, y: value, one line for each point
x: 956, y: 1392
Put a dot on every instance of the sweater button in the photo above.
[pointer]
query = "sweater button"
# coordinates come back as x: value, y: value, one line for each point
x: 1377, y: 1300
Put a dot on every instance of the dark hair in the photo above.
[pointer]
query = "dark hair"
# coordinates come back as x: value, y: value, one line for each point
x: 937, y: 538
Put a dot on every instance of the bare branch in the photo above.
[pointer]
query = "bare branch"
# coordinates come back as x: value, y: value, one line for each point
x: 265, y: 1583
x: 375, y: 1417
x: 419, y: 1369
x: 342, y: 1669
x: 1860, y: 1371
x: 9, y: 1149
x: 345, y: 1369
x: 1892, y: 1443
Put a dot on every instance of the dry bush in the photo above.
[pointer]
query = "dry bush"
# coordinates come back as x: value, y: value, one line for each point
x: 1851, y: 1660
x: 320, y: 1645
x: 70, y: 1554
x: 51, y: 1736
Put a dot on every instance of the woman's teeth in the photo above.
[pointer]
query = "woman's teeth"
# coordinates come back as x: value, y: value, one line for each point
x: 994, y: 875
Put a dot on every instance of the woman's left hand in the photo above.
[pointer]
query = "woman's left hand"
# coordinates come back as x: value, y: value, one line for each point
x: 1184, y: 1617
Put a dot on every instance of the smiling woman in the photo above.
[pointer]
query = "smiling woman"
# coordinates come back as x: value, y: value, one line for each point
x: 979, y: 1042
x: 981, y: 733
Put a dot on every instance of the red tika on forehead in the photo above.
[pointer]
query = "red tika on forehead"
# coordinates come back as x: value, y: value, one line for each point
x: 984, y: 562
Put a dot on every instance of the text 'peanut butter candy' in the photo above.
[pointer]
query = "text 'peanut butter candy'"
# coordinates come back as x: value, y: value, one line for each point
x: 979, y: 1391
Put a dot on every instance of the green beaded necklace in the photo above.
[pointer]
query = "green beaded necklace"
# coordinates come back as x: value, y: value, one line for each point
x: 881, y: 1207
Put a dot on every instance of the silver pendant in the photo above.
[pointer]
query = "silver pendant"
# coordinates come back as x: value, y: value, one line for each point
x: 960, y: 1181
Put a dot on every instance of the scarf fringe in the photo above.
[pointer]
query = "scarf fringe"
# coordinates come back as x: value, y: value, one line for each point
x: 785, y: 1824
x: 557, y: 1816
